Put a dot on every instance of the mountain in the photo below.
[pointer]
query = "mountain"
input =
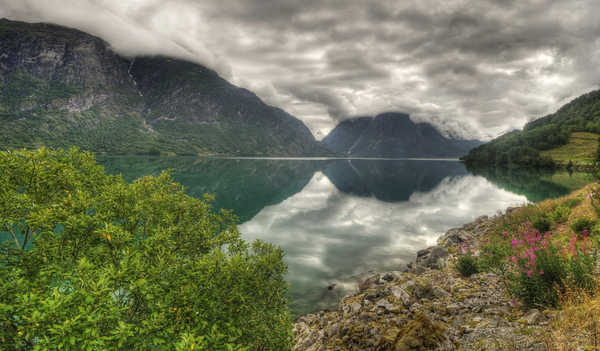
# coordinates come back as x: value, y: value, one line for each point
x: 526, y: 147
x: 62, y: 87
x: 393, y: 135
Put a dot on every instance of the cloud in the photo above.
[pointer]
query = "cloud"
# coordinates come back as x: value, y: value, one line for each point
x: 478, y: 68
x: 131, y: 28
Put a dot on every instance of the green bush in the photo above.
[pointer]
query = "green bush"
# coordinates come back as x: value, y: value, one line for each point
x: 467, y: 265
x: 493, y: 256
x: 542, y: 223
x: 94, y: 263
x: 583, y: 223
x: 552, y: 275
x: 561, y: 214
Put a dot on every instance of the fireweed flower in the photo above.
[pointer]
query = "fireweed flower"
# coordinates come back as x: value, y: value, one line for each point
x: 572, y: 242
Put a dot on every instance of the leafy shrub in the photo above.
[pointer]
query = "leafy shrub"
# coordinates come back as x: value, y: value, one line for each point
x: 512, y: 221
x: 583, y: 224
x: 467, y: 265
x: 540, y: 271
x: 561, y: 214
x: 493, y: 256
x: 117, y: 266
x: 542, y: 223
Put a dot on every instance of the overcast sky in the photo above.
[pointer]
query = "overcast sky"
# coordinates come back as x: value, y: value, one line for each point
x: 480, y: 66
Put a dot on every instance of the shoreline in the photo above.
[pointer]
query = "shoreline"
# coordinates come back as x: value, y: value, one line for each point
x: 428, y: 305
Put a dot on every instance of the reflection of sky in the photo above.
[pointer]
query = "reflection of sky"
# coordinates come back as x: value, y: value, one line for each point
x: 333, y: 237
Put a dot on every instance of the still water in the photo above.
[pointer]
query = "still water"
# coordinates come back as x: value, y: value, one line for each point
x: 340, y: 219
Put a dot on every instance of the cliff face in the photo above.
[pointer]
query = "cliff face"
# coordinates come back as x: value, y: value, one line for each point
x: 393, y: 135
x: 62, y: 87
x: 195, y: 104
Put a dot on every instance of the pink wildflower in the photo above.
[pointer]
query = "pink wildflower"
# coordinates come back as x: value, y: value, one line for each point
x: 572, y: 245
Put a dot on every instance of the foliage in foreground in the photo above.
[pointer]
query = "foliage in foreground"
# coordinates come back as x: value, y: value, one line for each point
x: 539, y: 271
x: 542, y: 251
x: 94, y: 263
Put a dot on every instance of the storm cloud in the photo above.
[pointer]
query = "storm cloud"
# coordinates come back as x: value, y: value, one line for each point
x: 473, y: 68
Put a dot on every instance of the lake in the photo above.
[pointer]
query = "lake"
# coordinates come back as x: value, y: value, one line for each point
x: 340, y: 219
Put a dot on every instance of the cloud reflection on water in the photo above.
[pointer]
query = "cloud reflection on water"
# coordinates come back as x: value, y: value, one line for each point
x: 332, y: 237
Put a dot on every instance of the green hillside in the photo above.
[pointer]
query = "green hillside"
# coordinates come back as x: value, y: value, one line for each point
x: 581, y: 150
x: 526, y: 147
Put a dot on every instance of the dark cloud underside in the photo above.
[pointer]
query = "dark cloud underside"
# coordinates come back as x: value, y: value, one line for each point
x: 471, y: 67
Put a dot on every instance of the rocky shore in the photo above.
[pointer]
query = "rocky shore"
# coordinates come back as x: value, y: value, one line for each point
x: 427, y: 306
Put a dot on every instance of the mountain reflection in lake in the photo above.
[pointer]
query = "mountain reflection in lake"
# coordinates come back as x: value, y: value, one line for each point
x: 339, y: 219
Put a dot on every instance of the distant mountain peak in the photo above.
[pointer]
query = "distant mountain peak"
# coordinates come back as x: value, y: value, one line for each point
x: 393, y: 134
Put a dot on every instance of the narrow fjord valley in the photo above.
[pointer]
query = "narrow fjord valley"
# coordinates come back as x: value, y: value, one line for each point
x: 147, y: 203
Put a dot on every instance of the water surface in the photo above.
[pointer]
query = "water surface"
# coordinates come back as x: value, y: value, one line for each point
x: 339, y: 219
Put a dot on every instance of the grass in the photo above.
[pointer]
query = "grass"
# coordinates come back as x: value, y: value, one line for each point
x: 575, y: 324
x: 581, y: 149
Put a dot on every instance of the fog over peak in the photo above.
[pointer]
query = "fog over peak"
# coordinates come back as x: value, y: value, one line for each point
x: 472, y: 68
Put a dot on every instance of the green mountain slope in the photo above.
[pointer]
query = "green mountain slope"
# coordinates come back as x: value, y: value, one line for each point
x: 61, y: 87
x: 524, y: 148
x: 581, y: 150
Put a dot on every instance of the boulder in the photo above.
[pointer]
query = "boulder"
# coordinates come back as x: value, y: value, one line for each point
x: 434, y: 257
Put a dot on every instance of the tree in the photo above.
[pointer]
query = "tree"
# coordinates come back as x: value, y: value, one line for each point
x: 93, y: 263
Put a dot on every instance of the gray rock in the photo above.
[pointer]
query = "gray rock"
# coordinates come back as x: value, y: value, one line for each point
x: 453, y: 308
x: 369, y: 282
x: 385, y: 304
x: 351, y: 308
x: 434, y: 257
x: 392, y: 276
x: 418, y: 270
x: 440, y: 293
x: 534, y: 317
x: 400, y: 294
x: 333, y: 329
x: 455, y: 237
